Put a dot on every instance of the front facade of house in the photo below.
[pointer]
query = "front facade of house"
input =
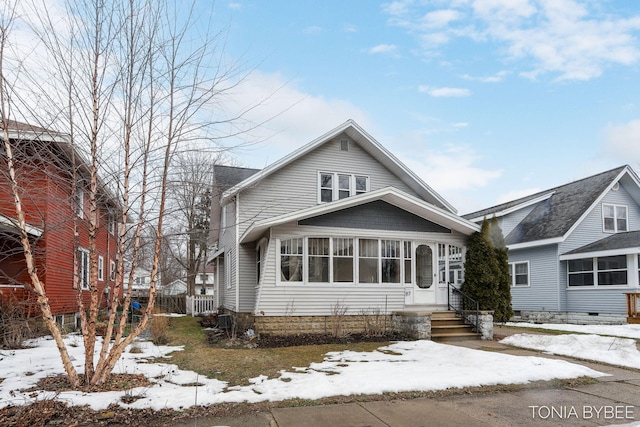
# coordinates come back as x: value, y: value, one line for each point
x: 43, y: 174
x: 338, y: 226
x: 574, y: 250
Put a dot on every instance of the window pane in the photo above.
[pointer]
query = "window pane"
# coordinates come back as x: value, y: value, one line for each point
x: 342, y: 269
x: 521, y: 268
x: 608, y: 278
x: 407, y: 262
x: 391, y: 270
x: 612, y: 263
x: 424, y: 266
x: 326, y: 187
x: 621, y: 218
x: 368, y: 270
x: 581, y: 279
x: 581, y: 265
x: 361, y: 184
x: 368, y: 261
x: 291, y: 260
x: 318, y: 260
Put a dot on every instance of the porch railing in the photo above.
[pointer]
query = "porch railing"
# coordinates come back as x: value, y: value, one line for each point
x: 464, y: 306
x: 201, y: 304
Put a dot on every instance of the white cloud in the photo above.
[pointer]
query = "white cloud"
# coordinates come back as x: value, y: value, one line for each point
x: 623, y: 142
x: 312, y: 30
x: 349, y: 28
x: 496, y: 78
x: 444, y: 91
x: 451, y: 169
x: 285, y: 109
x: 383, y: 48
x: 563, y: 37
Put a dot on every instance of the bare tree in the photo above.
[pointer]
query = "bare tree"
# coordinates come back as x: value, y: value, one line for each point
x: 126, y: 84
x: 190, y: 195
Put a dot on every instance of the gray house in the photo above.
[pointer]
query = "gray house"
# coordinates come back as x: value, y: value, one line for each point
x: 339, y: 226
x: 574, y: 250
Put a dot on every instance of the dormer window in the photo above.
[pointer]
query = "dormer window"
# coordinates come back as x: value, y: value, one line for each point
x: 336, y: 186
x: 614, y: 218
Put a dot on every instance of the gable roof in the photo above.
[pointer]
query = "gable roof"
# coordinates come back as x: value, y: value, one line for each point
x: 557, y: 210
x: 390, y: 195
x: 367, y: 143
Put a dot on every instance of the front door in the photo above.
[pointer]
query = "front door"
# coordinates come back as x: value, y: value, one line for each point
x: 426, y: 276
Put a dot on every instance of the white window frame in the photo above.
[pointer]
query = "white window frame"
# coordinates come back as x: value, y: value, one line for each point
x: 112, y: 272
x: 355, y: 259
x: 335, y: 184
x: 83, y: 268
x: 100, y: 268
x: 595, y: 270
x: 512, y: 267
x: 615, y: 208
x: 111, y: 219
x: 80, y: 200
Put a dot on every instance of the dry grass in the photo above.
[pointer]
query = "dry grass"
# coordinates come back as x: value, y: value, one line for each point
x: 238, y: 365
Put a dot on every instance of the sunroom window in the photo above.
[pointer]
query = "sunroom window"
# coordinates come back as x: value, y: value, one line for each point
x: 318, y: 259
x: 342, y: 259
x: 390, y: 261
x: 603, y: 271
x: 368, y: 261
x: 291, y: 252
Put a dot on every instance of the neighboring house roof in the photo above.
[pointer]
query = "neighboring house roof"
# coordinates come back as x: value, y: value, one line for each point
x: 366, y: 142
x: 629, y: 241
x: 557, y: 210
x: 228, y: 176
x: 390, y: 195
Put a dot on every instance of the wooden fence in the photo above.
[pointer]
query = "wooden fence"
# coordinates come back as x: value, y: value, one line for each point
x: 201, y: 304
x: 167, y: 303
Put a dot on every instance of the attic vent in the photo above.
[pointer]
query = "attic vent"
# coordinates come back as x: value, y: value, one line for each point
x: 616, y: 186
x: 344, y: 145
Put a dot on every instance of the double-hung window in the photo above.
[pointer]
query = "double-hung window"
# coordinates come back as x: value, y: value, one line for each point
x: 318, y: 259
x: 83, y: 268
x: 614, y: 218
x: 100, y: 268
x: 368, y: 256
x: 291, y: 258
x: 336, y: 186
x: 390, y: 261
x: 519, y: 274
x: 342, y: 259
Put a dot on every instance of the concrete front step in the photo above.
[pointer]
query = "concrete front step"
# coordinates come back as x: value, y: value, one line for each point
x: 447, y: 327
x: 461, y: 336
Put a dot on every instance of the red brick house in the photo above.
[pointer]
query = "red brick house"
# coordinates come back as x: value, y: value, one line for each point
x: 44, y: 162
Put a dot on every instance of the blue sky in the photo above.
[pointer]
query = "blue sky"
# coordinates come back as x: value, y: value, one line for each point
x: 487, y: 100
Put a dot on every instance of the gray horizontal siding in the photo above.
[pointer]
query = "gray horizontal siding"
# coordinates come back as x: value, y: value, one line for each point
x: 295, y: 186
x: 543, y: 292
x: 590, y: 229
x: 597, y: 300
x: 509, y: 222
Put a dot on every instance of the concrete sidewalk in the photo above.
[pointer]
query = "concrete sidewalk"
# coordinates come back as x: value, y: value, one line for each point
x: 613, y: 400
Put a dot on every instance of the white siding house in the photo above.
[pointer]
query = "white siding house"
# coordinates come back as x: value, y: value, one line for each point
x: 338, y: 222
x: 574, y: 249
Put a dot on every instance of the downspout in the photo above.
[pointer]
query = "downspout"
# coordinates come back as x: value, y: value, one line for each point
x: 237, y: 260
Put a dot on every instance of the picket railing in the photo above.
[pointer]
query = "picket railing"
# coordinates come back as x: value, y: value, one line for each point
x: 201, y: 304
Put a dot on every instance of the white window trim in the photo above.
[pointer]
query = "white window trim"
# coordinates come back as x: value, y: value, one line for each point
x: 227, y: 269
x: 615, y: 218
x: 84, y: 269
x: 356, y: 269
x: 100, y: 268
x: 80, y: 200
x: 335, y: 190
x: 112, y: 272
x: 512, y: 267
x: 595, y: 272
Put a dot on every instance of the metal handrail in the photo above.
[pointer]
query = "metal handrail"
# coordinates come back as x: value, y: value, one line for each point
x: 464, y: 306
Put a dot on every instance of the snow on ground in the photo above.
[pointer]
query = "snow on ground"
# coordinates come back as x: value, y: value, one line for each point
x: 628, y: 331
x: 403, y: 366
x: 612, y: 350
